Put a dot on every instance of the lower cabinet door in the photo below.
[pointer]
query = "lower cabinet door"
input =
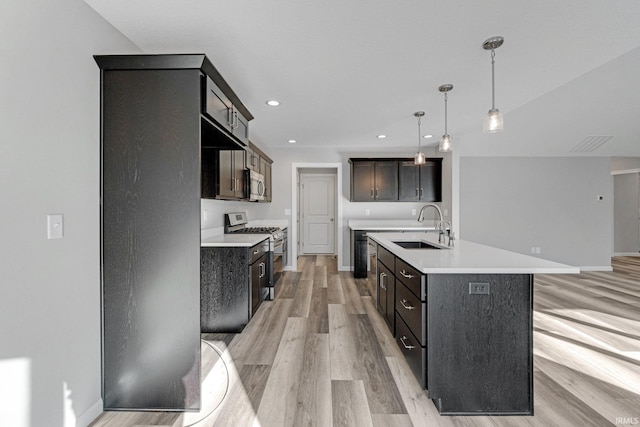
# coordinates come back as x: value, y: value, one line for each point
x: 256, y: 276
x: 414, y: 353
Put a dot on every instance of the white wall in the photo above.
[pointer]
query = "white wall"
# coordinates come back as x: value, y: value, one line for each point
x: 517, y: 203
x: 49, y: 163
x: 282, y: 172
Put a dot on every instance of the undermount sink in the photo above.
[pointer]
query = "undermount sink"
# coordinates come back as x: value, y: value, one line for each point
x: 416, y: 245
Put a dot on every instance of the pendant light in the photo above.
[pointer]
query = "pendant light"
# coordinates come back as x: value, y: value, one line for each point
x: 419, y: 158
x: 445, y: 142
x: 494, y: 121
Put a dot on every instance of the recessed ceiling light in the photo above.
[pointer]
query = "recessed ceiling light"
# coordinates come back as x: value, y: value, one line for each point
x: 292, y: 141
x: 382, y: 136
x: 427, y: 136
x: 273, y: 103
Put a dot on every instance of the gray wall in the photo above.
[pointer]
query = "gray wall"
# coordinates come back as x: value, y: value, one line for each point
x: 49, y: 163
x: 550, y: 203
x: 626, y: 213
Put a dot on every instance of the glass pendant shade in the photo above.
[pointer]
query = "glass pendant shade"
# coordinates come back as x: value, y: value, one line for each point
x: 419, y: 158
x: 445, y: 144
x: 493, y: 122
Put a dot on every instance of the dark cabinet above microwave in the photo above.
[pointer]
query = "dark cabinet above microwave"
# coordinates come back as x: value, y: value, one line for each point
x: 218, y: 107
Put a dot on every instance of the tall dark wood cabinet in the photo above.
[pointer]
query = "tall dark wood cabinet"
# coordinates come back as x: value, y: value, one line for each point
x: 153, y: 125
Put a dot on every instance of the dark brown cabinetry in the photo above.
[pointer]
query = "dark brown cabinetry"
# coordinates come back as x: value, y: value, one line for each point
x: 229, y: 115
x: 374, y: 180
x: 234, y: 281
x: 231, y: 174
x: 395, y: 179
x: 420, y: 183
x: 386, y: 287
x: 472, y: 350
x: 150, y: 230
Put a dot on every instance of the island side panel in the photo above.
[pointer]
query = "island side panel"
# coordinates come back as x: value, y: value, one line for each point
x: 224, y: 289
x: 480, y: 356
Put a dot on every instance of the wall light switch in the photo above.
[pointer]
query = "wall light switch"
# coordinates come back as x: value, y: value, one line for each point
x: 413, y: 212
x: 367, y: 212
x: 55, y: 226
x: 599, y: 198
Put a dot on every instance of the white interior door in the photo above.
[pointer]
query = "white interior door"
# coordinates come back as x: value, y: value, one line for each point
x: 317, y: 197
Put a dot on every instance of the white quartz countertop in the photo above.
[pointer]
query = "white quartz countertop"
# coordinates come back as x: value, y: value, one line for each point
x: 466, y: 257
x: 391, y: 224
x: 233, y: 240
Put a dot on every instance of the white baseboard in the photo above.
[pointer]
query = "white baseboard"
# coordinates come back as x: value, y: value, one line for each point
x: 88, y: 416
x: 288, y: 268
x: 626, y: 254
x: 345, y: 268
x: 596, y: 268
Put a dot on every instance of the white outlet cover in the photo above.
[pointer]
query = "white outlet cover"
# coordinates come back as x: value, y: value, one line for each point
x: 367, y: 212
x: 55, y: 226
x: 413, y: 211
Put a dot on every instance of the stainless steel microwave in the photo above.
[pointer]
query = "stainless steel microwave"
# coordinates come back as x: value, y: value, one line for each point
x: 256, y: 186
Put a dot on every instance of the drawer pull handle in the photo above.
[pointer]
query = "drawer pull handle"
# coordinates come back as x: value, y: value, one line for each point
x: 408, y: 307
x: 408, y: 347
x: 382, y: 276
x: 406, y: 275
x: 256, y: 252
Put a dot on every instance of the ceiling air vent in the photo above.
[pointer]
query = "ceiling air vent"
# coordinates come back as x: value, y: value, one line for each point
x: 591, y: 143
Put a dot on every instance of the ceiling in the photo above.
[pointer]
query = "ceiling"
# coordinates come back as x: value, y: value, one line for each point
x: 346, y: 71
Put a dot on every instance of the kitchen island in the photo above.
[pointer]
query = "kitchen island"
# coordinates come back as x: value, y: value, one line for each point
x: 462, y: 315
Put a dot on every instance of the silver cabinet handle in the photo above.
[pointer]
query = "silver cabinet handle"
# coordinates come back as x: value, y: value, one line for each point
x: 408, y: 347
x: 417, y: 192
x: 230, y: 117
x: 262, y: 269
x: 372, y: 192
x: 382, y: 276
x: 233, y: 184
x: 376, y: 192
x: 404, y: 303
x: 421, y: 194
x: 256, y: 252
x: 235, y: 119
x: 406, y: 275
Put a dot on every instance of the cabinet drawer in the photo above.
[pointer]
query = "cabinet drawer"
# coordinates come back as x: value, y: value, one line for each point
x: 413, y: 279
x: 413, y: 352
x: 386, y: 257
x: 258, y: 250
x: 412, y: 311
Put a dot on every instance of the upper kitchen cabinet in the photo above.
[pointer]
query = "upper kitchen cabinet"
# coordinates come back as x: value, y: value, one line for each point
x: 231, y: 115
x: 420, y: 183
x: 374, y: 180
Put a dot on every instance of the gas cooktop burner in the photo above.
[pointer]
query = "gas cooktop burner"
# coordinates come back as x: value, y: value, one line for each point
x: 256, y: 230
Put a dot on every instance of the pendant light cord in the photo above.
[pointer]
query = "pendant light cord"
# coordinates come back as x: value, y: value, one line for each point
x: 419, y: 146
x: 493, y: 80
x: 445, y: 113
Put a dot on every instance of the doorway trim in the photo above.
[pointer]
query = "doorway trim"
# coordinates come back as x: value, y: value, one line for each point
x: 294, y: 210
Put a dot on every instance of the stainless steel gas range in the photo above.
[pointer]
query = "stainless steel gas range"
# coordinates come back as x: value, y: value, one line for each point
x: 236, y: 222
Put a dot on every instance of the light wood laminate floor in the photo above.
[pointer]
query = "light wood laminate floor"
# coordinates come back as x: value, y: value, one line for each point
x: 320, y: 355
